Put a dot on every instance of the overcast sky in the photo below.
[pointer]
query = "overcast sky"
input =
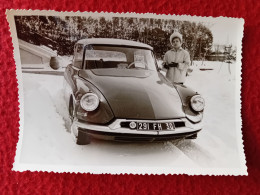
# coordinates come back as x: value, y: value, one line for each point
x: 224, y: 32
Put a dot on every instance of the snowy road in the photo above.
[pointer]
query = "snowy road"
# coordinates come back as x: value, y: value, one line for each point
x: 47, y: 144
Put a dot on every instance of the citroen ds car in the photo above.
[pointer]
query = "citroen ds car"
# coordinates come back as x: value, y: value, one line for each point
x: 115, y: 90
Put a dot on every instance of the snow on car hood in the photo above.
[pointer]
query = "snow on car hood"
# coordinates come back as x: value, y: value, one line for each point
x: 146, y: 95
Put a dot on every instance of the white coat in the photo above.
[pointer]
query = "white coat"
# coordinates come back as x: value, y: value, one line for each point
x: 182, y: 57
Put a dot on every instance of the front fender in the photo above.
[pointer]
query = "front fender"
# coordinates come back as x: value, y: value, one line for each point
x: 102, y: 115
x: 186, y: 94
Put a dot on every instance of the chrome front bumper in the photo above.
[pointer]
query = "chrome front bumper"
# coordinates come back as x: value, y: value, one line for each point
x: 115, y: 129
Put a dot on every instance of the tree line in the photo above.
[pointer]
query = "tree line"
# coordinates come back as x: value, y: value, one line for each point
x: 61, y: 33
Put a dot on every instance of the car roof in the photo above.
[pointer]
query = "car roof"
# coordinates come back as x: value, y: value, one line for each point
x: 106, y: 41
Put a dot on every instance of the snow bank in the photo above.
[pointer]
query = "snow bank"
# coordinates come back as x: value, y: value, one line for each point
x: 47, y: 144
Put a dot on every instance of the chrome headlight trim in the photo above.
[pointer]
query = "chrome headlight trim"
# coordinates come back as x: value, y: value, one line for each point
x: 197, y: 103
x: 92, y: 107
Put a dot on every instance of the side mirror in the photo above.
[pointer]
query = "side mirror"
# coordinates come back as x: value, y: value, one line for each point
x: 54, y: 63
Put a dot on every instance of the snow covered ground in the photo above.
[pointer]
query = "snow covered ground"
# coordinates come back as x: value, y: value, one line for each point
x: 47, y: 144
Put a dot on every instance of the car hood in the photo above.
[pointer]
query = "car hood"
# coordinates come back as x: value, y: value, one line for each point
x: 144, y: 95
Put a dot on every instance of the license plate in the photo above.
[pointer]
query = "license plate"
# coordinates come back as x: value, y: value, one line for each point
x: 151, y: 126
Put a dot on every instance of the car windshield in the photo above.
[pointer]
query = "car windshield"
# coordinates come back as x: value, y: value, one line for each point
x: 118, y: 57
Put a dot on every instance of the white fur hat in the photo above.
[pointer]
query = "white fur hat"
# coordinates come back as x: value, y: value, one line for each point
x: 174, y: 35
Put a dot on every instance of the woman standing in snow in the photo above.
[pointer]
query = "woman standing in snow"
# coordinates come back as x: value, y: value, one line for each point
x: 176, y: 60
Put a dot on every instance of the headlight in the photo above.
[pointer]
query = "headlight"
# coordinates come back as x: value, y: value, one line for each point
x: 197, y: 103
x: 89, y: 102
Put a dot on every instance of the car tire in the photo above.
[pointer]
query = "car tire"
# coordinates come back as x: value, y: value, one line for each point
x: 83, y: 138
x: 194, y: 136
x: 71, y: 109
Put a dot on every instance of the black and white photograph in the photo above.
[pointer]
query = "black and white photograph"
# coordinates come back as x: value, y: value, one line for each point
x: 128, y: 93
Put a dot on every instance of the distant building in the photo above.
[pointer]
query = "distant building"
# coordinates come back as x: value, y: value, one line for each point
x: 218, y: 53
x: 33, y: 54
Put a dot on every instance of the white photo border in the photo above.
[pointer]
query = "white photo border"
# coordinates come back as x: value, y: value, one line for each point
x: 242, y: 170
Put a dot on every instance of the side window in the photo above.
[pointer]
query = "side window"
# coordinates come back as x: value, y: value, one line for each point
x: 78, y: 55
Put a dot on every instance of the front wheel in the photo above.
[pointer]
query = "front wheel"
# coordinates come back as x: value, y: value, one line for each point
x: 194, y: 136
x: 80, y: 137
x: 83, y: 138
